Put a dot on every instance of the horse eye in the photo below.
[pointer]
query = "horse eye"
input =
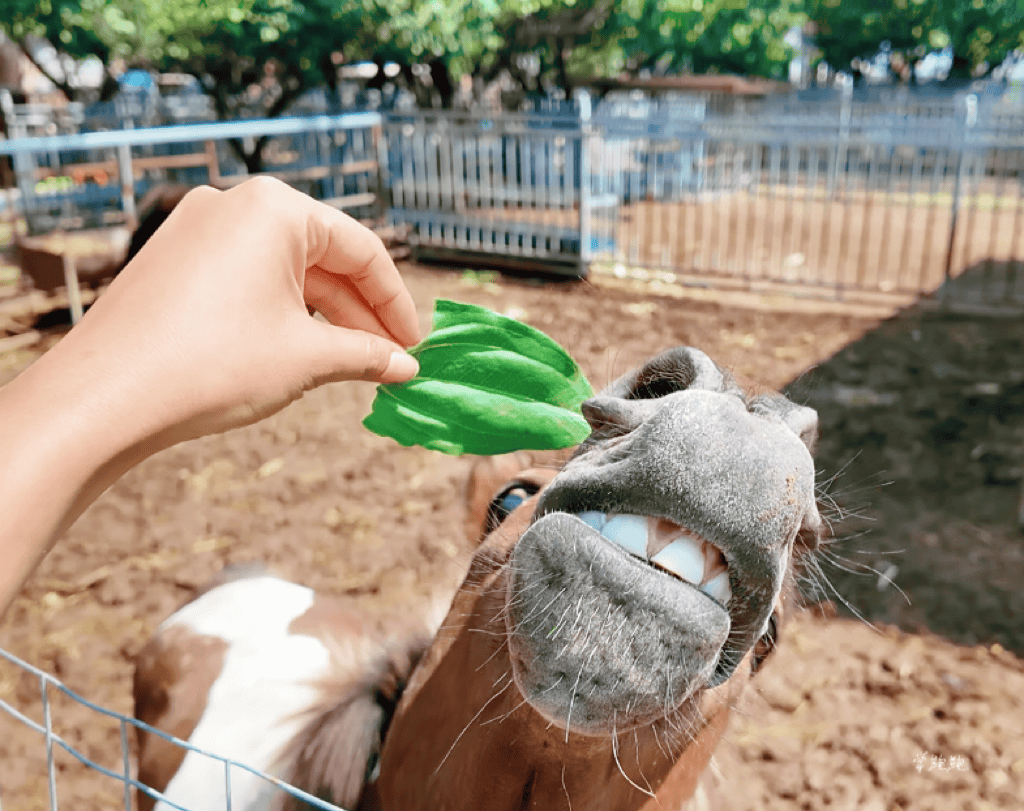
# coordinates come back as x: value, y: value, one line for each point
x: 506, y: 502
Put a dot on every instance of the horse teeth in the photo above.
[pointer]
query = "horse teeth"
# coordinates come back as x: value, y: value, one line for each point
x: 668, y: 545
x: 629, y: 532
x: 660, y: 533
x: 683, y: 558
x: 718, y: 588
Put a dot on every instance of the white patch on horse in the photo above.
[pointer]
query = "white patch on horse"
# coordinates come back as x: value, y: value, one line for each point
x: 257, y: 704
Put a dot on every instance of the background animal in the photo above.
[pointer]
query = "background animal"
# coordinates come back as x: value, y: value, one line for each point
x: 153, y: 209
x: 611, y: 616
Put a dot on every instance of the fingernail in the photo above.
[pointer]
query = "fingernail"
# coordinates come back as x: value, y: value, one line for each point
x: 401, y: 367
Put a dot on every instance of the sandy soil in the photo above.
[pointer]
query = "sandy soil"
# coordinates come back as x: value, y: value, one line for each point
x: 922, y: 710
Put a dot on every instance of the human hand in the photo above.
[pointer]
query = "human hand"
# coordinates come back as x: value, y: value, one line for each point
x: 209, y: 321
x: 206, y: 329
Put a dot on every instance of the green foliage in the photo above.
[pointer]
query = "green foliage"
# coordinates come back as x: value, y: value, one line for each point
x: 487, y: 385
x: 73, y: 26
x: 851, y: 30
x: 702, y: 36
x: 234, y: 45
x: 981, y: 33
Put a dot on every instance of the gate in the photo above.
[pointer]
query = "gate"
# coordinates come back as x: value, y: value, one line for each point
x: 499, y: 190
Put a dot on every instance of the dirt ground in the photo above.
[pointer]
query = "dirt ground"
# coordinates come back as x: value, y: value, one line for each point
x: 921, y: 460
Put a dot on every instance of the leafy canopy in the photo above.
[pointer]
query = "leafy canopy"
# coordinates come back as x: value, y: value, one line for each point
x: 981, y: 33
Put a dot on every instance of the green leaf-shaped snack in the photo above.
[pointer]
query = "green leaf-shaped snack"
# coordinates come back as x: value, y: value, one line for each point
x: 488, y: 384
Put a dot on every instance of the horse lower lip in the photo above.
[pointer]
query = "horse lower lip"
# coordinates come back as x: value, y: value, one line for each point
x: 632, y: 636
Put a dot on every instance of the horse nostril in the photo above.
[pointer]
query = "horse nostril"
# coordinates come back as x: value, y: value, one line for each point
x: 609, y: 416
x: 811, y: 534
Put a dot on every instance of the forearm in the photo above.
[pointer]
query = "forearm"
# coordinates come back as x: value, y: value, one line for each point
x: 65, y: 438
x: 205, y: 330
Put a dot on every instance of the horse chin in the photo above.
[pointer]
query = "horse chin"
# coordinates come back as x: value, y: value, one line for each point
x: 601, y: 641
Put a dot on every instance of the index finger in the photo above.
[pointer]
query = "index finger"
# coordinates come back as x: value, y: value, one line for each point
x: 339, y: 244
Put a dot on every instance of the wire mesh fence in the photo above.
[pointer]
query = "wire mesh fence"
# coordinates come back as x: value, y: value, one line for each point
x: 59, y: 747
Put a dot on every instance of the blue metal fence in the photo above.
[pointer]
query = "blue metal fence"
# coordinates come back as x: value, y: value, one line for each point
x: 842, y: 198
x: 94, y: 178
x: 860, y: 202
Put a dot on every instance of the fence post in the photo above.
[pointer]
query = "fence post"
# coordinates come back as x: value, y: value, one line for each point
x: 584, y: 113
x: 382, y: 181
x: 23, y: 163
x: 970, y: 119
x: 127, y: 177
x: 843, y: 142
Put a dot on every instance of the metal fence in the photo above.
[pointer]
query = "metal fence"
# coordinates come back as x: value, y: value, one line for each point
x: 857, y: 204
x: 88, y: 179
x: 837, y: 198
x: 117, y: 765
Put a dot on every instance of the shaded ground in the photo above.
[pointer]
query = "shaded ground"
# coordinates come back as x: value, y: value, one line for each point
x: 845, y: 717
x: 925, y: 418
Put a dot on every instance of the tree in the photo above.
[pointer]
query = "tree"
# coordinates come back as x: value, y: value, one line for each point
x: 563, y: 42
x: 723, y: 36
x: 847, y: 31
x: 69, y: 25
x: 980, y: 33
x: 545, y: 44
x: 255, y: 56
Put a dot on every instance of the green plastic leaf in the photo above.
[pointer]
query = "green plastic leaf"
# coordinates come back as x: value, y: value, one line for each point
x: 488, y: 384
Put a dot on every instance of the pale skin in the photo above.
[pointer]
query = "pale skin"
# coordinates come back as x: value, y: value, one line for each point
x: 206, y: 329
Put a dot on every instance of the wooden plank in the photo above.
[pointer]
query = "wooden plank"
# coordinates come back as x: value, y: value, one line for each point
x: 213, y: 163
x: 302, y: 175
x: 140, y: 164
x: 170, y: 161
x: 352, y: 200
x: 357, y: 167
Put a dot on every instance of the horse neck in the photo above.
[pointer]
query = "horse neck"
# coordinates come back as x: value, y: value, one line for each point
x: 463, y: 738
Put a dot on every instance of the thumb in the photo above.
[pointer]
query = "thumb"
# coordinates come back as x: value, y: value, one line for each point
x: 338, y: 353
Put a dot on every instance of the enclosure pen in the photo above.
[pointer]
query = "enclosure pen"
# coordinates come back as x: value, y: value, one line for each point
x: 53, y: 741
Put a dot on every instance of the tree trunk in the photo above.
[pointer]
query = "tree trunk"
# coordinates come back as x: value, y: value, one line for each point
x: 62, y: 86
x: 330, y: 74
x: 443, y: 82
x: 961, y: 68
x: 560, y: 47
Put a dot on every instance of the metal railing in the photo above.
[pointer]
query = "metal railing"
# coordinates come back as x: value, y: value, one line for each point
x: 95, y: 178
x: 842, y: 200
x: 855, y: 206
x: 490, y: 188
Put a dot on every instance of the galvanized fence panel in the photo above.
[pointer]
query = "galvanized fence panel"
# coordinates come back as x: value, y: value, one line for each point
x: 848, y: 200
x: 488, y: 188
x: 42, y: 697
x: 839, y: 199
